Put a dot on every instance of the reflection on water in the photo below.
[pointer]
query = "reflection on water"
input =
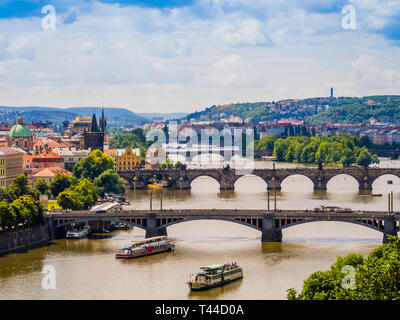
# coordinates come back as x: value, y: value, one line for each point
x: 87, y: 269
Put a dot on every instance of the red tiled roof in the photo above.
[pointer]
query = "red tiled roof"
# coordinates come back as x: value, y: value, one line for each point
x: 8, y: 150
x: 52, y: 171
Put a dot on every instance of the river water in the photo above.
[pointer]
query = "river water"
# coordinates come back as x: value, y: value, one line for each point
x: 87, y: 269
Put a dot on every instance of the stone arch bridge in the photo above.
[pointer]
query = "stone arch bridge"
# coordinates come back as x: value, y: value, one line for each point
x: 182, y: 179
x: 270, y: 223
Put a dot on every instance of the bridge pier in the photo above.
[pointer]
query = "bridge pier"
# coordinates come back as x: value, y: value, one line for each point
x: 320, y: 185
x: 227, y: 185
x: 389, y: 228
x: 270, y: 233
x: 274, y: 185
x: 364, y: 186
x: 151, y: 227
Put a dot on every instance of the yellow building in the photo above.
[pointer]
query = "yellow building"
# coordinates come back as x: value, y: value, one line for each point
x: 10, y: 165
x: 128, y: 160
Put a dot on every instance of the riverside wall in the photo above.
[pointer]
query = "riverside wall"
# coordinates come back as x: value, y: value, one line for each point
x: 23, y: 237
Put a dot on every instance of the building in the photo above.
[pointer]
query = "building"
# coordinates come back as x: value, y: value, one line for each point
x: 129, y: 160
x: 42, y: 159
x: 46, y: 143
x: 48, y: 174
x: 11, y: 165
x: 78, y: 126
x: 114, y: 153
x: 380, y: 137
x: 94, y: 138
x: 21, y: 136
x: 71, y: 156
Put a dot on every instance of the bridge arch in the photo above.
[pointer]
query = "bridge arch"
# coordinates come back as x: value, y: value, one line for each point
x: 293, y: 176
x: 202, y: 176
x: 258, y: 179
x: 345, y: 176
x: 257, y: 222
x: 389, y: 175
x: 371, y: 226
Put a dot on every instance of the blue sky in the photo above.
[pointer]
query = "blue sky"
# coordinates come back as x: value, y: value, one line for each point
x: 29, y: 8
x: 176, y: 55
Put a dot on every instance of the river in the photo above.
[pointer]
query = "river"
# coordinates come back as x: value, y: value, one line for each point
x: 87, y: 269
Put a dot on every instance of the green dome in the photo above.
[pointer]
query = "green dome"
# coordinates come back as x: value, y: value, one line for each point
x: 20, y: 130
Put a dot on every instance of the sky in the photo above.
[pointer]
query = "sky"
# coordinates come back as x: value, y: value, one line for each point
x: 186, y: 55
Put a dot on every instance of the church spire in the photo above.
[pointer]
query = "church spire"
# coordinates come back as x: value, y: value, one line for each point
x: 102, y: 121
x: 95, y: 127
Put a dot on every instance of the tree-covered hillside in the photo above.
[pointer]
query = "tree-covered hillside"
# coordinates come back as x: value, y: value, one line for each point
x: 360, y: 110
x: 313, y: 110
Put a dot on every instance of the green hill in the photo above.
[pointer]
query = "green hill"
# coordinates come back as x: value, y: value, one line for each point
x: 355, y: 110
x: 358, y: 110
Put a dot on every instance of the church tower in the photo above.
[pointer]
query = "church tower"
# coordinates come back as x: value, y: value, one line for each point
x: 94, y: 139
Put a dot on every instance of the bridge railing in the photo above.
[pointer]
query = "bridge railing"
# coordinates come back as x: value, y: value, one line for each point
x: 223, y: 212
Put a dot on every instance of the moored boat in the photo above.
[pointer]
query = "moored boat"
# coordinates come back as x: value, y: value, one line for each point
x: 215, y: 275
x: 146, y: 247
x: 78, y: 233
x: 122, y: 226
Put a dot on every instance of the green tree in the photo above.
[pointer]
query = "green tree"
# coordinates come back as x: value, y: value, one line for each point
x: 70, y: 199
x: 80, y: 196
x: 29, y: 210
x: 19, y: 187
x: 110, y: 182
x: 365, y: 158
x: 93, y: 165
x: 7, y: 216
x: 41, y: 186
x: 87, y: 192
x: 60, y: 183
x: 167, y: 165
x: 377, y: 277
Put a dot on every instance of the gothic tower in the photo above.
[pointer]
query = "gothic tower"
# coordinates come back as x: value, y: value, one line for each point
x: 94, y: 139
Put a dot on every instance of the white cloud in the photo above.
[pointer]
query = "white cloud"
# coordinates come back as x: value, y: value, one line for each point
x: 213, y: 52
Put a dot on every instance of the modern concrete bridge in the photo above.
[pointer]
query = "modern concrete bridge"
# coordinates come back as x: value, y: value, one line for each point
x: 182, y: 179
x: 270, y: 223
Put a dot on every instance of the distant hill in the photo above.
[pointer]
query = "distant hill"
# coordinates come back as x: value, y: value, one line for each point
x: 163, y: 116
x: 35, y: 114
x: 115, y: 116
x: 384, y: 108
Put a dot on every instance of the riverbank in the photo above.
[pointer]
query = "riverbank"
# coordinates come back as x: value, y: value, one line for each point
x: 23, y: 237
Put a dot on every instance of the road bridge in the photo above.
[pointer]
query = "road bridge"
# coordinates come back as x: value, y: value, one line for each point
x: 270, y: 223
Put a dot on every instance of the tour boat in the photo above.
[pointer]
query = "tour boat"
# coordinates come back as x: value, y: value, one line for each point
x: 146, y: 247
x: 325, y: 209
x: 215, y: 275
x: 78, y: 233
